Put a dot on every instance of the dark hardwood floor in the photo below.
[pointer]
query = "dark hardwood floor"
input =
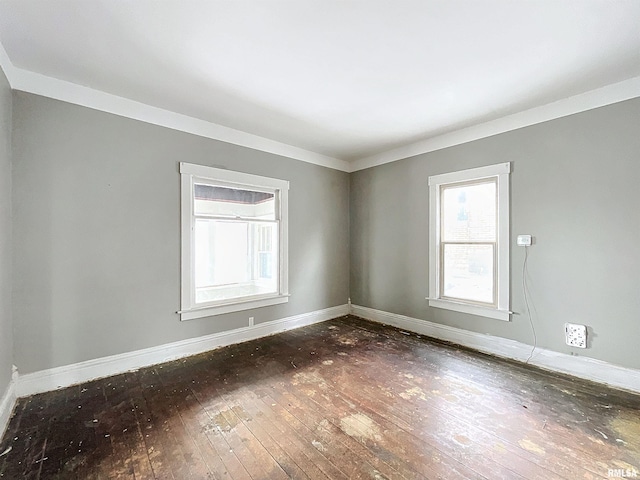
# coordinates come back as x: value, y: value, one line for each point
x: 343, y: 399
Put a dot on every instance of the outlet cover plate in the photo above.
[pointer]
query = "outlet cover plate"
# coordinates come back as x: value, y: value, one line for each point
x: 524, y: 240
x: 575, y: 335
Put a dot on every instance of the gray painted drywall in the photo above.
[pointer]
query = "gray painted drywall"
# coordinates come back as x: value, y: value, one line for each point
x: 96, y: 240
x: 6, y: 327
x: 96, y: 233
x: 574, y: 185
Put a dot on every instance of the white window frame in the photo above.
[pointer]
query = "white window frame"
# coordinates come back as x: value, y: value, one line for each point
x: 501, y: 173
x: 191, y: 174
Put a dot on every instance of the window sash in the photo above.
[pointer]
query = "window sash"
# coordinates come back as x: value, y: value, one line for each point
x: 494, y: 280
x: 204, y: 216
x: 442, y: 243
x: 215, y: 183
x: 253, y: 261
x: 191, y: 175
x: 227, y: 219
x: 498, y: 173
x: 469, y: 183
x: 257, y: 238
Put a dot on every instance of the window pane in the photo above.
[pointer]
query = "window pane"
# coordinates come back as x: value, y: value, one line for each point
x: 233, y: 202
x: 469, y: 213
x: 468, y: 272
x: 235, y: 259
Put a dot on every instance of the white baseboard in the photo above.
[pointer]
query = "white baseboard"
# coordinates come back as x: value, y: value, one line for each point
x: 65, y: 376
x: 7, y: 403
x: 582, y: 367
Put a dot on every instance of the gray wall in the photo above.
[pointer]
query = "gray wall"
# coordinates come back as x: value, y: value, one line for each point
x: 575, y: 186
x: 96, y: 233
x: 6, y: 328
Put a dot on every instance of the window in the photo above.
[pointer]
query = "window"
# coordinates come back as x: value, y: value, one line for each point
x: 234, y: 241
x: 469, y: 241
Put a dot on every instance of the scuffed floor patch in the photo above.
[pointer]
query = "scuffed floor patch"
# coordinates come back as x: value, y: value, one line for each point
x: 531, y: 447
x: 360, y: 426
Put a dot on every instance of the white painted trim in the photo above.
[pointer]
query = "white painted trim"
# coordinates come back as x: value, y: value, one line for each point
x: 232, y: 176
x: 234, y: 306
x: 38, y: 84
x: 68, y: 375
x: 7, y: 404
x: 283, y: 243
x: 577, y: 366
x: 488, y: 312
x: 614, y: 93
x: 190, y: 174
x: 500, y: 172
x: 471, y: 174
x: 6, y: 66
x: 187, y: 247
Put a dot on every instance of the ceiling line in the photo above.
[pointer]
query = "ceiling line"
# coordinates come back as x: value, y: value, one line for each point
x: 31, y: 82
x: 600, y: 97
x: 69, y: 92
x: 6, y: 65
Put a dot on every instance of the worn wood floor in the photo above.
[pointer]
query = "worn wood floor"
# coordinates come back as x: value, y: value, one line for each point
x: 343, y: 399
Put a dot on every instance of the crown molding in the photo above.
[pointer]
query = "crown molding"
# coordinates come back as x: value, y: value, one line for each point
x: 31, y: 82
x: 614, y: 93
x: 43, y: 85
x: 38, y: 84
x: 6, y: 65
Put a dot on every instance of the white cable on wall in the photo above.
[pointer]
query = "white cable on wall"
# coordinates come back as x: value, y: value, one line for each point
x: 526, y: 301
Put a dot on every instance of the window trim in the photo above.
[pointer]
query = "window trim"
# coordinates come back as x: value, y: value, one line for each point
x: 501, y: 173
x: 190, y: 173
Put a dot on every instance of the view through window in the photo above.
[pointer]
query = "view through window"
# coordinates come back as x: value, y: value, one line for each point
x: 234, y: 241
x: 469, y: 241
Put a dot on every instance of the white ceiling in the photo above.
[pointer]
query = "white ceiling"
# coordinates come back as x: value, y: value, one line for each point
x: 345, y: 79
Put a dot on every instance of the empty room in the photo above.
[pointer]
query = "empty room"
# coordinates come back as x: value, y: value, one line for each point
x: 319, y: 239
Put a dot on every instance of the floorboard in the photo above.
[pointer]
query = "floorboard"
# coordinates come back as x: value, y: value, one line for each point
x: 344, y: 399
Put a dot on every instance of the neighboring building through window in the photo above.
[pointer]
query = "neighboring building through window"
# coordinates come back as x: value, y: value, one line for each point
x: 469, y: 241
x: 234, y: 241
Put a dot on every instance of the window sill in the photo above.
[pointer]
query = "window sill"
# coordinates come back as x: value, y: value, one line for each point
x: 236, y: 306
x: 504, y: 315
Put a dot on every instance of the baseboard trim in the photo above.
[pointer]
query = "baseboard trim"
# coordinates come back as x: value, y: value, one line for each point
x: 7, y: 404
x: 65, y: 376
x: 582, y: 367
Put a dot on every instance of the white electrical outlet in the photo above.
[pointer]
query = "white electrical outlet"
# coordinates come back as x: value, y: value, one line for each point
x: 524, y: 240
x: 251, y: 321
x: 575, y: 335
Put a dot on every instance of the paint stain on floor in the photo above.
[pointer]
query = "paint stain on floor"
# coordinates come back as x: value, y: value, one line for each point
x: 360, y: 426
x: 462, y: 440
x: 531, y: 447
x: 223, y: 421
x: 347, y: 340
x: 306, y: 377
x: 413, y: 392
x: 318, y: 445
x: 499, y: 447
x: 626, y: 426
x: 449, y: 397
